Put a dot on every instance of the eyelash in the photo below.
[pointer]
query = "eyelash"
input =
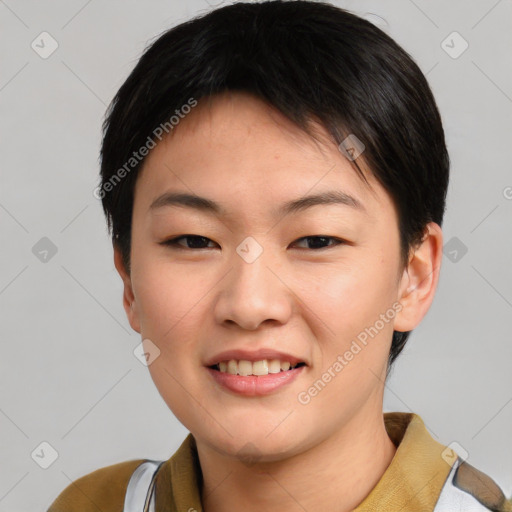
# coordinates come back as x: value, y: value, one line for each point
x: 173, y: 242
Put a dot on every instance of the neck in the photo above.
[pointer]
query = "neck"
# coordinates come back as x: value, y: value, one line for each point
x: 336, y: 474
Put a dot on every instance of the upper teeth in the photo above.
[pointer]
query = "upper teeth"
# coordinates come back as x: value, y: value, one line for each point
x: 244, y: 367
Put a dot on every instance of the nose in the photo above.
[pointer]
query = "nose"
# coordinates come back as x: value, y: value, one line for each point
x: 254, y: 292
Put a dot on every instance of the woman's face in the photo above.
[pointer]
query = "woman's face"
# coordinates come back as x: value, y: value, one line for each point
x: 251, y: 279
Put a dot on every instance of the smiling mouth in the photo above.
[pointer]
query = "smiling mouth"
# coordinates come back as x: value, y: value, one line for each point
x: 246, y: 368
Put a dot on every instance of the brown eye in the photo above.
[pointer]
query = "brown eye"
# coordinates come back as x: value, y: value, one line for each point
x: 193, y: 242
x: 320, y: 242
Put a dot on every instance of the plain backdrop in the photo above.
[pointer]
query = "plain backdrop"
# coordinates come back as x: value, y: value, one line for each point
x: 69, y: 378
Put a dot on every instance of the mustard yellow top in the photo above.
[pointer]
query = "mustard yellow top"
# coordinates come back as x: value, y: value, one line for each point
x: 411, y: 483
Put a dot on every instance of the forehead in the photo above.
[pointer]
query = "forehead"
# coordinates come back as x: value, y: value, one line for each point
x: 240, y: 152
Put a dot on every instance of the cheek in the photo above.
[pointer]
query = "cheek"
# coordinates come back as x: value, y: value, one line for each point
x: 169, y: 307
x: 165, y: 293
x: 349, y: 303
x: 349, y: 298
x: 353, y: 339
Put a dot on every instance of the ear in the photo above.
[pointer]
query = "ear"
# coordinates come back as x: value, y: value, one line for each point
x: 419, y: 280
x: 129, y: 302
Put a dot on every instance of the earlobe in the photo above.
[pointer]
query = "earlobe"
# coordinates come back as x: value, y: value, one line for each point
x: 419, y: 280
x: 129, y: 302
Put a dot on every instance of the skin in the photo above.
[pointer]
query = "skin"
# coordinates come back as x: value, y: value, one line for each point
x: 272, y: 452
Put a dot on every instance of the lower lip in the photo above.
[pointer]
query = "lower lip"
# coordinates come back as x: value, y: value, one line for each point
x: 255, y: 385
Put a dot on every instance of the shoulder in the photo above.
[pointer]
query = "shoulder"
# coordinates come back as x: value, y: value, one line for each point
x: 468, y: 488
x: 103, y: 489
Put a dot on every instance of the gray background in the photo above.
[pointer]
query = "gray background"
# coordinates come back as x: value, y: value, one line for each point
x: 68, y: 373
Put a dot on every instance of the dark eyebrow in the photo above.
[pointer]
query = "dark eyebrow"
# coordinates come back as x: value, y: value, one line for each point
x: 329, y: 197
x: 187, y: 200
x: 293, y: 206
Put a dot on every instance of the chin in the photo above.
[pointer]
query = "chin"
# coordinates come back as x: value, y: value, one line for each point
x: 253, y: 444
